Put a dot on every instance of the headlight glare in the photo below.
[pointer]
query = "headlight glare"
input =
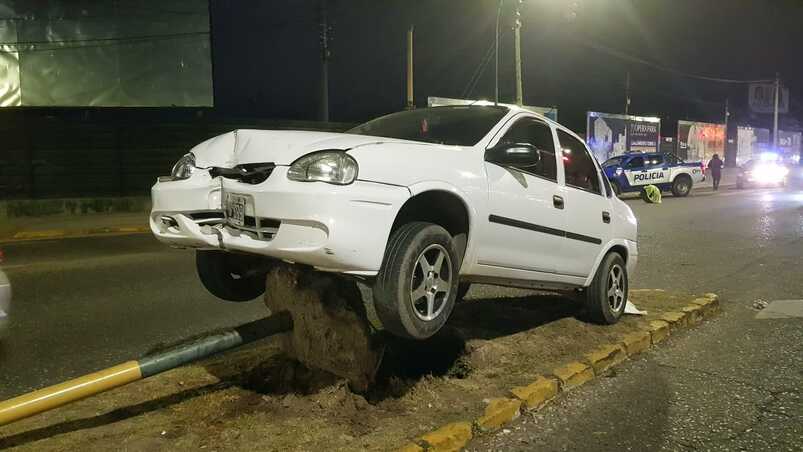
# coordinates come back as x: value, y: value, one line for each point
x: 333, y: 167
x: 184, y: 168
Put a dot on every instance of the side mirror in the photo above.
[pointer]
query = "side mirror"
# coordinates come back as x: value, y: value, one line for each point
x: 508, y: 154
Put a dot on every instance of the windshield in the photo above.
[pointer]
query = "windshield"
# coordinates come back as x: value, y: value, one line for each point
x: 615, y: 161
x: 453, y: 125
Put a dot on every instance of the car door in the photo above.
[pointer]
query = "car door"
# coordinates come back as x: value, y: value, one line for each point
x: 587, y: 205
x: 524, y: 212
x: 657, y: 169
x: 635, y: 171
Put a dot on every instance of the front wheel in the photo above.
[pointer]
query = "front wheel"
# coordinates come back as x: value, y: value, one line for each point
x: 416, y: 288
x: 606, y: 297
x: 681, y: 186
x: 231, y: 277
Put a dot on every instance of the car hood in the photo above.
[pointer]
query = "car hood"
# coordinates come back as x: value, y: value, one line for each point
x: 281, y: 147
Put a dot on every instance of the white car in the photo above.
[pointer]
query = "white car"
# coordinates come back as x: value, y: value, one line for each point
x: 419, y: 204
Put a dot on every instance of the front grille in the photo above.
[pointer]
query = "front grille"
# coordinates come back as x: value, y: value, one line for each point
x: 257, y: 228
x: 208, y: 217
x: 250, y: 173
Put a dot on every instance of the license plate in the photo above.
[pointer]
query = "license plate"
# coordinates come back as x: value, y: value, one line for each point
x: 235, y: 209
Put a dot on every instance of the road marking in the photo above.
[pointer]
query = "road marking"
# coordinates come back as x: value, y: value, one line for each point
x: 782, y: 309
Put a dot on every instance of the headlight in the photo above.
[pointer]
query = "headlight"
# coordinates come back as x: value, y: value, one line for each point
x: 184, y: 168
x: 619, y: 171
x: 334, y: 167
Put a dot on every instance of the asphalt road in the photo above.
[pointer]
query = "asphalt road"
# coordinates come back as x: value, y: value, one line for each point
x: 735, y: 382
x: 83, y: 304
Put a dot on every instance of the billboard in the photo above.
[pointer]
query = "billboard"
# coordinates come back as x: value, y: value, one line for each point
x: 610, y: 134
x: 700, y: 140
x: 789, y: 143
x: 761, y: 98
x: 549, y: 112
x: 62, y: 53
x: 751, y: 141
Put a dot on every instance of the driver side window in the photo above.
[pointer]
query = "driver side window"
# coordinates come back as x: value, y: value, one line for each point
x: 538, y: 134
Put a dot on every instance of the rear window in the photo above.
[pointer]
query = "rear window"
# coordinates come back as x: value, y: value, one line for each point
x: 453, y: 125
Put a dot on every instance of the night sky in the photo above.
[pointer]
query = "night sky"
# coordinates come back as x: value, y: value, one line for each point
x: 267, y: 59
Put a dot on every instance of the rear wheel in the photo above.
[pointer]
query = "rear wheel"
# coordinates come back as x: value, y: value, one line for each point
x: 606, y: 297
x: 416, y: 288
x: 231, y: 277
x: 681, y: 186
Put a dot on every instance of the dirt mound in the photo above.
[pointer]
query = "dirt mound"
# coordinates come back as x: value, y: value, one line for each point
x: 330, y: 328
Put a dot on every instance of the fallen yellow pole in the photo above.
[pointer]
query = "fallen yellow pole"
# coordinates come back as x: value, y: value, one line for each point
x: 63, y: 393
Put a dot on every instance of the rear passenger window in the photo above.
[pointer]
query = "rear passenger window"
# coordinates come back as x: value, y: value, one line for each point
x: 655, y: 160
x: 636, y: 162
x: 581, y: 172
x: 538, y: 134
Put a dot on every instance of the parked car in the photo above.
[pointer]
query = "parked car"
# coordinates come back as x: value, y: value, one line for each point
x: 419, y: 204
x: 631, y: 172
x: 5, y: 299
x: 761, y: 173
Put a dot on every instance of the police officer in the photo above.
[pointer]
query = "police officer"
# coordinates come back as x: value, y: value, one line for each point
x: 716, y: 170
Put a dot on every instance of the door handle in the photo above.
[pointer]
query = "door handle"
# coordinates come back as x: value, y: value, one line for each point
x: 606, y: 216
x: 557, y: 201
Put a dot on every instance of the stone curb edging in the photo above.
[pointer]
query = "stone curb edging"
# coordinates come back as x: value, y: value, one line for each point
x: 25, y: 236
x: 523, y: 399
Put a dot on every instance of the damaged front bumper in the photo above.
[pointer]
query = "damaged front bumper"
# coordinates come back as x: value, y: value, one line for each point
x: 330, y: 227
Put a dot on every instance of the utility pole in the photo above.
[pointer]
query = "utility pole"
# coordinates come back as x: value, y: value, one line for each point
x: 325, y: 55
x: 496, y: 69
x: 775, y: 115
x: 627, y: 93
x: 517, y: 34
x: 410, y: 99
x: 725, y: 138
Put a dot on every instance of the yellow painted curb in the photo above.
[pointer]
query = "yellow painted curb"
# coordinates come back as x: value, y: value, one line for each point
x: 450, y: 437
x: 497, y: 413
x: 606, y: 357
x: 455, y: 436
x: 635, y: 343
x: 25, y: 236
x: 33, y: 235
x: 659, y: 331
x: 675, y: 319
x: 538, y: 393
x: 694, y: 313
x: 573, y: 374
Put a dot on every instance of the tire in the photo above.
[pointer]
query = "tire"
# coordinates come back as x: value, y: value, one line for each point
x: 617, y: 189
x: 681, y: 186
x: 410, y: 303
x: 462, y: 290
x: 226, y: 275
x: 606, y: 297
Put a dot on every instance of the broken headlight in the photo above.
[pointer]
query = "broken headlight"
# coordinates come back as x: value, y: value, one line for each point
x: 184, y: 168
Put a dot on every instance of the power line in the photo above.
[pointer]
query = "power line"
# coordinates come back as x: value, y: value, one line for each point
x: 620, y: 54
x: 117, y: 39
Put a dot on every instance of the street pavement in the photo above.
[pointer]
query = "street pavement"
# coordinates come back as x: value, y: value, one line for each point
x: 83, y: 304
x: 732, y: 383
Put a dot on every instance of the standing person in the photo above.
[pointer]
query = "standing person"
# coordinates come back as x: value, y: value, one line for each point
x: 716, y: 170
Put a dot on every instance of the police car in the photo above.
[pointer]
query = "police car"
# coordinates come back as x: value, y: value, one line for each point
x: 631, y: 172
